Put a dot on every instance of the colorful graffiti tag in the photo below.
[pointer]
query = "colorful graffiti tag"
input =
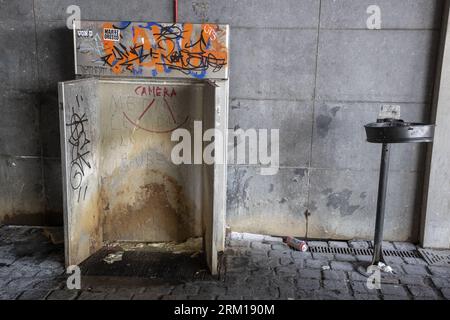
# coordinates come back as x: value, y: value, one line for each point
x: 154, y: 49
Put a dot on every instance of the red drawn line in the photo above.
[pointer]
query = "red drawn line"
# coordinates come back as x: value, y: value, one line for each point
x: 155, y: 131
x: 170, y: 110
x: 146, y: 109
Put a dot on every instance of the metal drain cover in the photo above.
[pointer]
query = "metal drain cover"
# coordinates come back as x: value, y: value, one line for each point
x: 365, y: 252
x: 436, y: 257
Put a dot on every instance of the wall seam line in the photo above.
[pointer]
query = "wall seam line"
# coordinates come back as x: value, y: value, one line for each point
x: 44, y: 190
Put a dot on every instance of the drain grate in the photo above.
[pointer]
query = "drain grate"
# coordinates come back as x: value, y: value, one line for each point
x: 435, y: 257
x: 366, y: 252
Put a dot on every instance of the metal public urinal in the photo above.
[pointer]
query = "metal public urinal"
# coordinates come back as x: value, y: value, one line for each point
x: 137, y: 83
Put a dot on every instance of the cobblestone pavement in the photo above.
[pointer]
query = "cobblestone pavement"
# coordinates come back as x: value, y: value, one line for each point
x: 254, y: 267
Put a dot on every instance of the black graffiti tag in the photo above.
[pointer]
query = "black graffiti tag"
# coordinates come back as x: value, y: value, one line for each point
x: 79, y: 149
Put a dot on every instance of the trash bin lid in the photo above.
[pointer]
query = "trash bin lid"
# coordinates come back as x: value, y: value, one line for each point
x: 398, y: 131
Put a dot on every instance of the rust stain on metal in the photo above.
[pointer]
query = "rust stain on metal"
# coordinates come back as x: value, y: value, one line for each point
x: 86, y: 231
x: 158, y: 210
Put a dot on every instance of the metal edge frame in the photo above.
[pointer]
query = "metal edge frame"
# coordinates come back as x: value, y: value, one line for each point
x: 75, y: 57
x: 65, y: 187
x: 220, y: 173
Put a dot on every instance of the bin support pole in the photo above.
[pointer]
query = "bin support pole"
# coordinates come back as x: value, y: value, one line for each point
x: 381, y: 204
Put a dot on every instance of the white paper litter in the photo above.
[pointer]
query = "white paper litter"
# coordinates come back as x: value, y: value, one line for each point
x: 113, y: 257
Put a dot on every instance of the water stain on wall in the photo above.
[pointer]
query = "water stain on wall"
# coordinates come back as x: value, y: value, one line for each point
x: 340, y: 201
x: 323, y: 121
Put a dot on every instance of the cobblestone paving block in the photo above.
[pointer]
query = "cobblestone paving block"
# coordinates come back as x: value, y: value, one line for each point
x: 364, y: 258
x: 394, y: 260
x: 48, y: 273
x: 257, y: 253
x: 260, y: 246
x: 239, y: 290
x: 361, y: 287
x: 358, y: 244
x: 22, y: 284
x: 280, y: 247
x: 6, y: 260
x: 33, y: 295
x: 412, y: 280
x: 310, y: 273
x: 390, y: 297
x: 235, y: 236
x: 324, y: 294
x: 280, y: 254
x: 420, y: 292
x: 233, y: 252
x: 265, y: 261
x: 299, y: 255
x: 446, y: 293
x: 267, y: 292
x: 335, y: 285
x: 252, y: 237
x: 50, y: 264
x: 49, y: 284
x: 120, y: 294
x: 189, y: 289
x: 440, y: 271
x: 345, y: 257
x: 272, y: 239
x: 286, y: 270
x: 385, y: 244
x: 334, y: 275
x: 5, y: 272
x: 323, y: 256
x: 365, y: 296
x: 284, y: 261
x: 237, y: 262
x: 415, y: 269
x: 404, y: 246
x: 91, y: 295
x: 287, y: 293
x: 235, y: 278
x: 304, y: 294
x: 174, y: 297
x: 307, y: 284
x: 10, y: 295
x: 3, y: 282
x: 300, y: 264
x: 212, y: 289
x: 281, y: 281
x: 392, y: 289
x: 267, y: 272
x: 337, y: 244
x: 238, y: 244
x: 23, y: 271
x: 147, y: 296
x: 257, y: 298
x: 441, y: 282
x: 227, y: 297
x: 63, y: 295
x: 343, y: 266
x: 316, y: 264
x: 159, y: 289
x: 317, y: 243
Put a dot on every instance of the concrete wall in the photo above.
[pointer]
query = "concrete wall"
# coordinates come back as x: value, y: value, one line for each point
x: 309, y: 67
